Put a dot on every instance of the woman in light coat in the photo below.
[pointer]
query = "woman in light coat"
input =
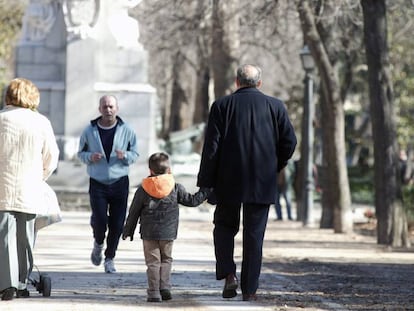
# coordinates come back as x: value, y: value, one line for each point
x: 28, y: 156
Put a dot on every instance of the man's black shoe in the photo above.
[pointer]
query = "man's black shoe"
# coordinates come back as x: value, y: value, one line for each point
x: 230, y: 286
x: 249, y: 297
x: 8, y: 293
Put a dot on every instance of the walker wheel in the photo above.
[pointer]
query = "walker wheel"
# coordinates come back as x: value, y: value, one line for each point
x: 45, y: 285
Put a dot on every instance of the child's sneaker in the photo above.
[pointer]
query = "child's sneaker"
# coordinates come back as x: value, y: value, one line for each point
x: 96, y: 255
x: 165, y: 294
x: 109, y: 266
x: 153, y: 299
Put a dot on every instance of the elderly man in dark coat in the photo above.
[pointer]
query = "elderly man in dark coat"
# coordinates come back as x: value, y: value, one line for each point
x: 249, y: 138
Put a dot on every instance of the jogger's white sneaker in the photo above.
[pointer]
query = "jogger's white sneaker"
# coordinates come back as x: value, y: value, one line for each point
x: 109, y: 266
x: 96, y: 255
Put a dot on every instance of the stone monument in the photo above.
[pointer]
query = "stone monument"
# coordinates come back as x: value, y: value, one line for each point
x: 75, y: 51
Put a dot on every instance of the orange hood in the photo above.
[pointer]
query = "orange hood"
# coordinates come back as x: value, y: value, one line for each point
x: 159, y: 186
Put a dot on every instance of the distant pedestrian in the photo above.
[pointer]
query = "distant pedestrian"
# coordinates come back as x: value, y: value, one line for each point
x: 284, y: 190
x: 108, y: 146
x: 249, y: 138
x: 28, y: 156
x: 155, y: 205
x: 405, y: 168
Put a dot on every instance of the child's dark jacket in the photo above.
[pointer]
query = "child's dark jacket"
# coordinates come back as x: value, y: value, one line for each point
x: 156, y: 203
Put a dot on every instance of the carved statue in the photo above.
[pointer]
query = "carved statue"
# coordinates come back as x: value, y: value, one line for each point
x: 81, y: 16
x: 39, y: 19
x: 123, y: 27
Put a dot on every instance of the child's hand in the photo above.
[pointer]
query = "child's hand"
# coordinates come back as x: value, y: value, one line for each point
x: 120, y: 154
x: 125, y: 236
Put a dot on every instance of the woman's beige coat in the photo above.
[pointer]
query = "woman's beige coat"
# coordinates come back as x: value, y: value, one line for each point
x: 28, y: 156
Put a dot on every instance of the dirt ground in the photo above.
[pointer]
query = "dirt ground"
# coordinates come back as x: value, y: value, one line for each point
x: 315, y: 269
x: 303, y: 269
x: 346, y: 286
x: 344, y: 272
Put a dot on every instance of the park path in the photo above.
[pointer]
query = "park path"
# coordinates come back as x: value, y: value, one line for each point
x: 304, y: 268
x: 62, y: 250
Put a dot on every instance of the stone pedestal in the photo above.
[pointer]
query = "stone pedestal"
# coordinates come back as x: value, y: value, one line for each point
x: 82, y: 53
x: 41, y: 57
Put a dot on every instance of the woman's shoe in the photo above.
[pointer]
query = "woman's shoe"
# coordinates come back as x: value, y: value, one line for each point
x: 8, y: 293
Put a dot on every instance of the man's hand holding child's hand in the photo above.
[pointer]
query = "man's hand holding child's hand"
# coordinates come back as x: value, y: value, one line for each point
x: 125, y: 236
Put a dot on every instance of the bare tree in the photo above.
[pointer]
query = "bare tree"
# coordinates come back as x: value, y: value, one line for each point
x: 10, y: 24
x: 170, y: 31
x: 392, y: 223
x: 241, y: 34
x: 179, y: 100
x: 225, y: 44
x: 203, y: 72
x: 337, y: 197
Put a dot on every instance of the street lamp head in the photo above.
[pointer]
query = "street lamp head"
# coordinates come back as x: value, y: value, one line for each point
x: 307, y: 60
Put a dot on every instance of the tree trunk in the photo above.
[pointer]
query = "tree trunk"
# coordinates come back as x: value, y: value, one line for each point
x: 327, y: 216
x: 202, y: 102
x: 335, y: 176
x: 179, y: 102
x: 392, y: 224
x: 202, y: 98
x: 202, y: 83
x: 225, y: 45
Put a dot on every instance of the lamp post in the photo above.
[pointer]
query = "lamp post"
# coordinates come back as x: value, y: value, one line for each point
x: 307, y: 138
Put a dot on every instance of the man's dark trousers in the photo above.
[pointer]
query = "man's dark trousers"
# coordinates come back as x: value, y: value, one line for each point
x: 109, y: 205
x: 226, y: 226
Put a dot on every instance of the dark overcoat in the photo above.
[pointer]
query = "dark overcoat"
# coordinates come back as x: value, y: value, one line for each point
x: 248, y: 139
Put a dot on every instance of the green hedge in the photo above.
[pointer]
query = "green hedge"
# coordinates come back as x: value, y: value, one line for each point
x: 408, y: 199
x: 361, y: 184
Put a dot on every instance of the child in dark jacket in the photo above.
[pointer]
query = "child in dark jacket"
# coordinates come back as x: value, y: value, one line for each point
x: 155, y: 204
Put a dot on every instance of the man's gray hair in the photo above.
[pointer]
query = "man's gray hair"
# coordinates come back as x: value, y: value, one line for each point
x: 249, y: 75
x: 106, y: 97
